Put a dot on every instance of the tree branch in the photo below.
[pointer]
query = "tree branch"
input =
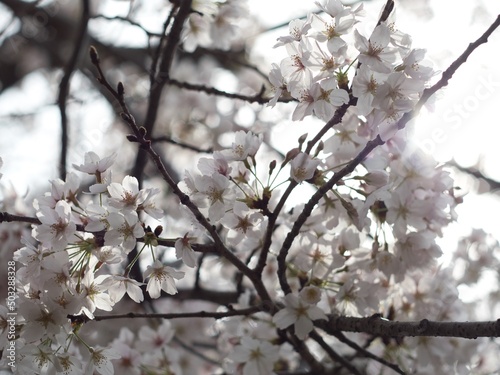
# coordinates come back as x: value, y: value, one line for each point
x: 475, y: 172
x: 335, y: 357
x: 198, y: 314
x: 159, y: 81
x: 65, y: 83
x: 381, y: 327
x: 141, y: 136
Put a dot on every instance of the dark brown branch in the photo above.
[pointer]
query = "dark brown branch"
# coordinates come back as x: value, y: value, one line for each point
x: 365, y: 353
x: 198, y: 314
x: 157, y: 54
x: 301, y: 348
x: 386, y: 328
x: 5, y: 217
x: 180, y: 144
x: 65, y: 83
x: 140, y: 136
x: 475, y: 172
x: 386, y: 12
x: 257, y: 98
x: 335, y: 357
x: 160, y: 80
x: 130, y: 22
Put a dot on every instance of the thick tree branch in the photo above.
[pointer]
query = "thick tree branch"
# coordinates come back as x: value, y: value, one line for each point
x: 381, y: 327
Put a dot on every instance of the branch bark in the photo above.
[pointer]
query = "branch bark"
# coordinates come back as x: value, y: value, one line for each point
x: 378, y: 326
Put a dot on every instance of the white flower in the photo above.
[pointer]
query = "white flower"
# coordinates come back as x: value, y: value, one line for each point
x: 242, y: 222
x: 69, y: 364
x: 100, y: 361
x: 153, y: 339
x: 375, y: 52
x: 92, y: 292
x: 303, y: 167
x: 244, y: 145
x: 97, y: 218
x: 184, y: 251
x: 300, y: 314
x: 60, y: 190
x: 130, y: 360
x: 327, y: 98
x: 126, y: 195
x: 257, y: 357
x: 216, y: 164
x: 35, y: 359
x: 57, y: 228
x: 376, y: 178
x: 310, y: 294
x: 298, y: 28
x: 148, y: 205
x: 31, y: 257
x: 42, y: 322
x: 118, y: 285
x: 161, y: 277
x: 278, y: 83
x: 94, y: 165
x: 412, y: 67
x: 364, y: 87
x: 216, y: 190
x: 124, y: 229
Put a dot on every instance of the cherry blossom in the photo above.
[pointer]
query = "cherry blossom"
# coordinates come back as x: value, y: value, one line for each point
x: 303, y: 167
x: 101, y: 361
x: 58, y: 227
x: 117, y: 286
x: 242, y: 237
x: 184, y: 251
x: 299, y: 313
x: 161, y: 277
x: 256, y: 357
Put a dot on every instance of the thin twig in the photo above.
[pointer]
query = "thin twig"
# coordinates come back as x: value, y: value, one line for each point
x: 335, y: 357
x: 342, y: 338
x: 476, y: 173
x: 257, y: 98
x: 180, y: 144
x: 195, y: 352
x: 65, y: 83
x: 197, y: 314
x: 129, y: 21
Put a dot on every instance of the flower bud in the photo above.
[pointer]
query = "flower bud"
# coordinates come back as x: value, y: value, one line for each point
x: 94, y: 57
x: 376, y: 178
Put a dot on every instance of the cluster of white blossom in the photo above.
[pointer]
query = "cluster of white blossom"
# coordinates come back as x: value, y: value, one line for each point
x: 368, y: 245
x: 214, y: 23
